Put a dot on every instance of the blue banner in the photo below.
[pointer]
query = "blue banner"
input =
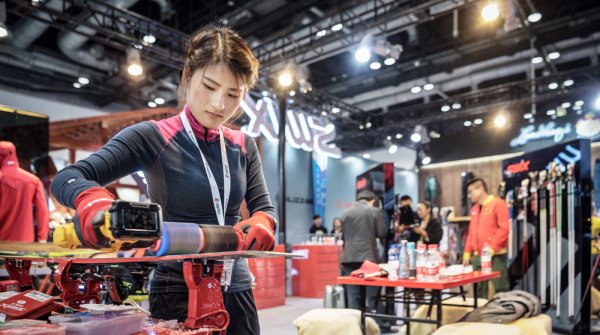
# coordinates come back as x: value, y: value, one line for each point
x: 319, y: 179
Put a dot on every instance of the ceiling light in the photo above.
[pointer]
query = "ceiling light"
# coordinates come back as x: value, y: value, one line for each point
x: 151, y: 104
x: 445, y: 108
x: 135, y: 63
x: 159, y: 101
x: 389, y: 61
x: 500, y: 121
x: 398, y: 136
x: 415, y: 138
x: 362, y: 55
x: 285, y: 78
x: 361, y: 127
x: 597, y: 103
x: 568, y: 82
x: 579, y: 103
x: 553, y: 86
x: 537, y: 60
x: 335, y: 110
x: 566, y: 105
x: 467, y: 123
x: 527, y: 116
x: 428, y: 87
x: 534, y: 17
x: 456, y: 105
x: 554, y: 55
x: 478, y: 121
x: 426, y: 160
x: 77, y: 85
x: 83, y: 80
x: 321, y: 33
x: 337, y: 27
x: 150, y: 39
x: 292, y: 93
x: 393, y: 148
x: 368, y: 125
x: 416, y: 89
x: 550, y: 112
x: 375, y: 66
x: 490, y: 12
x: 576, y: 108
x: 366, y: 156
x: 389, y: 138
x: 332, y: 145
x: 325, y: 113
x: 3, y: 30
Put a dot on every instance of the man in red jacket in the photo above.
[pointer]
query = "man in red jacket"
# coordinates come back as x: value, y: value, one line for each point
x: 20, y: 192
x: 489, y: 225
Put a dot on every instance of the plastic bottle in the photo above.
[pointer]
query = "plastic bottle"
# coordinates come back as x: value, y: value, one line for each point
x: 404, y: 260
x: 442, y: 266
x: 486, y: 259
x: 432, y: 264
x: 393, y: 261
x: 421, y: 259
x: 412, y: 260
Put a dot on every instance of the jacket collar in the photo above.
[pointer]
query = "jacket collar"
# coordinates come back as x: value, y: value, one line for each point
x: 201, y: 132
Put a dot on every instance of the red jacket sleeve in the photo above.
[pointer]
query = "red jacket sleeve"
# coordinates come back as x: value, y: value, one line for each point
x: 41, y: 211
x: 500, y: 239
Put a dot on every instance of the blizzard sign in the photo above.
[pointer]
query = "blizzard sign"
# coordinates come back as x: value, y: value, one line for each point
x: 548, y: 130
x: 302, y: 131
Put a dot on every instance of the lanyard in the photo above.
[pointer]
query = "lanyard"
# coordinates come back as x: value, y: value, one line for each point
x: 214, y: 189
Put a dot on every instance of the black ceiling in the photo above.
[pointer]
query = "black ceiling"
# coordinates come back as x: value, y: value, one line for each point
x: 430, y: 51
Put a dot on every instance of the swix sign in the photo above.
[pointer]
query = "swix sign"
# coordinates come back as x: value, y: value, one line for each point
x: 302, y: 131
x: 522, y: 166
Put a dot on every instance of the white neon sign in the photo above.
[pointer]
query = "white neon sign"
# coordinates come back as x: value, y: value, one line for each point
x: 548, y: 130
x: 306, y: 132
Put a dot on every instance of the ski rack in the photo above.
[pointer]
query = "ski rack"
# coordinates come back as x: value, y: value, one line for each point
x: 552, y: 230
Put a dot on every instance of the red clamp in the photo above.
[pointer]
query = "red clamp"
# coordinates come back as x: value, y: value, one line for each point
x: 69, y: 288
x: 205, y: 301
x: 19, y: 270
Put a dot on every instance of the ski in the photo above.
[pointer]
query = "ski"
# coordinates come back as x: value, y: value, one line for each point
x: 552, y: 211
x: 524, y: 197
x: 533, y: 199
x: 543, y: 237
x: 571, y: 235
x: 559, y: 218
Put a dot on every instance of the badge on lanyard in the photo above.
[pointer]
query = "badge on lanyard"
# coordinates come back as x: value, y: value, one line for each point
x: 220, y: 209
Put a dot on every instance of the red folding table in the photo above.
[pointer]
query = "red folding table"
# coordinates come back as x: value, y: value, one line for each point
x: 414, y: 292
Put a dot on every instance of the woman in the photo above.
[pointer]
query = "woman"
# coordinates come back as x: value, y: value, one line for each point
x: 430, y: 231
x: 219, y: 69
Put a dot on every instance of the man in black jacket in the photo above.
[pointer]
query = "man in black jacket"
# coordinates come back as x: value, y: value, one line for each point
x: 361, y: 225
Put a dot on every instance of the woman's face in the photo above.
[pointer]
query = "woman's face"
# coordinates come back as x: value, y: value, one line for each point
x: 422, y: 211
x: 337, y: 224
x: 214, y: 94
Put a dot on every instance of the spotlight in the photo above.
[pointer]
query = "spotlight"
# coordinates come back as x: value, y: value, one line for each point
x: 77, y: 85
x: 366, y: 156
x: 597, y: 103
x: 426, y: 160
x: 551, y: 112
x: 389, y: 61
x: 3, y: 30
x: 579, y: 103
x: 398, y: 136
x: 553, y: 86
x: 500, y: 121
x: 393, y: 148
x: 292, y: 93
x: 332, y: 145
x: 321, y: 33
x: 362, y: 55
x: 264, y: 93
x: 285, y: 78
x: 337, y: 27
x: 375, y: 66
x: 445, y: 108
x: 566, y: 105
x: 576, y: 108
x: 335, y: 110
x: 151, y: 104
x: 537, y: 60
x: 568, y: 82
x: 150, y: 39
x: 135, y: 63
x: 325, y: 113
x: 159, y: 101
x: 478, y: 121
x: 415, y: 138
x: 368, y: 125
x: 467, y: 123
x: 456, y: 105
x: 361, y: 127
x: 554, y: 55
x: 490, y: 12
x: 534, y: 17
x: 83, y: 80
x: 389, y: 138
x: 416, y: 89
x: 527, y: 116
x: 428, y: 87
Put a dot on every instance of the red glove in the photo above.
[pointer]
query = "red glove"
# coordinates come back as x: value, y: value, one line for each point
x: 259, y: 232
x: 90, y: 206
